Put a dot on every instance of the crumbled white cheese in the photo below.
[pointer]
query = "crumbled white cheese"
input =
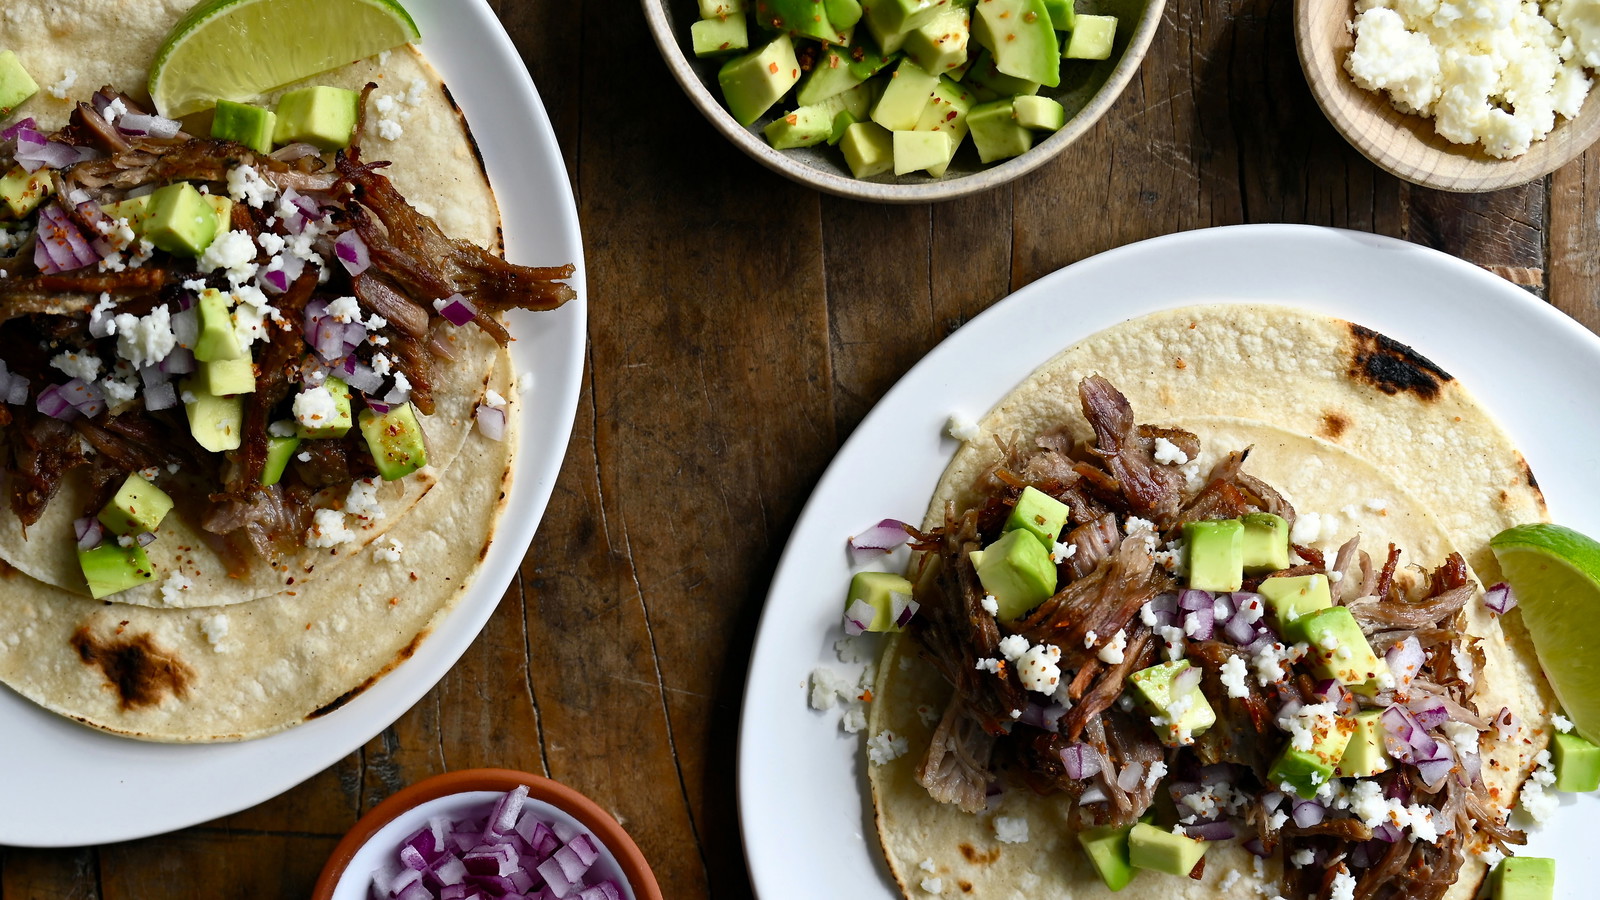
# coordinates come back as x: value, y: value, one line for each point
x: 234, y: 253
x: 933, y: 885
x: 1011, y: 829
x: 1112, y: 653
x: 345, y: 309
x: 1039, y: 669
x: 886, y: 746
x: 173, y: 588
x: 68, y: 79
x: 988, y: 664
x: 381, y: 363
x: 1172, y: 638
x: 1250, y: 611
x: 1089, y: 639
x: 1308, y: 724
x: 1012, y: 646
x: 1230, y: 879
x: 328, y: 529
x: 145, y: 340
x: 271, y: 244
x: 1147, y: 614
x: 84, y: 366
x: 390, y: 130
x: 1169, y: 454
x: 1343, y: 887
x: 215, y: 628
x: 1537, y: 800
x: 245, y: 185
x: 362, y: 501
x: 524, y: 382
x: 1158, y: 771
x: 1269, y: 664
x: 1233, y: 673
x: 827, y: 686
x: 391, y: 552
x: 1491, y: 855
x: 1561, y: 723
x: 854, y: 718
x: 961, y: 428
x: 314, y: 407
x: 1060, y: 553
x: 1301, y: 858
x: 493, y: 400
x: 1134, y: 523
x: 991, y: 605
x: 1462, y: 736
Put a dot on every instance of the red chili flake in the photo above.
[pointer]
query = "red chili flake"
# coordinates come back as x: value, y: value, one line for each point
x: 792, y: 119
x: 951, y: 115
x: 1030, y: 17
x: 773, y: 68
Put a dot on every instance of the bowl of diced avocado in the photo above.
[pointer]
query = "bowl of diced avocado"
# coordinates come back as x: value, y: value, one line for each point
x: 903, y: 101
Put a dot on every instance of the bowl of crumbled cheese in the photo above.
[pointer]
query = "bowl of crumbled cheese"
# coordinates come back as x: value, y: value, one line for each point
x: 1460, y: 95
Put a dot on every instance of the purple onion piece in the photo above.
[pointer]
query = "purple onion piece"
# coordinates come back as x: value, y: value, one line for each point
x: 1199, y: 623
x: 457, y: 310
x: 352, y: 252
x: 1307, y: 813
x: 858, y: 617
x: 90, y: 532
x: 1192, y: 599
x: 1212, y: 831
x: 17, y: 128
x: 1500, y: 599
x: 146, y: 538
x: 1505, y: 723
x: 902, y: 609
x: 877, y: 540
x: 1387, y: 832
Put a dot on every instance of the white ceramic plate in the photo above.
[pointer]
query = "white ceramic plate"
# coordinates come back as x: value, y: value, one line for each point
x: 804, y: 810
x: 66, y: 785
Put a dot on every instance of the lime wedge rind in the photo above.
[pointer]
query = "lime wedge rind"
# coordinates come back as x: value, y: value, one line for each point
x: 241, y: 49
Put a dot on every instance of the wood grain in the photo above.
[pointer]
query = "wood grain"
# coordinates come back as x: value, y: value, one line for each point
x: 741, y: 327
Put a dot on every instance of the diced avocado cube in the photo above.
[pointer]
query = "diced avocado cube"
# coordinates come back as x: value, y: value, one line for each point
x: 1061, y: 14
x: 715, y: 9
x: 1017, y: 571
x: 1266, y: 543
x: 242, y: 123
x: 844, y: 119
x: 714, y: 37
x: 16, y: 85
x: 753, y: 82
x: 1039, y: 514
x: 1216, y: 554
x: 829, y: 76
x: 216, y: 422
x: 843, y: 14
x: 1365, y: 755
x: 1305, y: 770
x: 224, y: 210
x: 180, y: 220
x: 856, y: 101
x: 940, y: 44
x: 995, y: 131
x: 322, y: 116
x: 1577, y: 763
x: 877, y: 589
x: 1022, y: 39
x: 280, y: 450
x: 1107, y: 849
x: 1340, y: 651
x: 889, y: 21
x: 1185, y: 716
x: 1292, y: 599
x: 395, y: 440
x: 805, y: 127
x: 22, y: 191
x: 1523, y: 878
x: 873, y: 60
x: 111, y: 568
x: 1160, y: 850
x: 137, y: 507
x: 946, y: 111
x: 914, y: 150
x: 327, y: 410
x: 985, y: 74
x: 1092, y: 37
x: 1040, y: 114
x: 806, y: 18
x: 904, y: 98
x: 229, y: 376
x: 868, y: 149
x: 218, y: 339
x: 135, y: 209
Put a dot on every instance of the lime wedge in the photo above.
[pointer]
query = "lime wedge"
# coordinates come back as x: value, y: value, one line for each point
x: 1555, y: 573
x: 240, y: 49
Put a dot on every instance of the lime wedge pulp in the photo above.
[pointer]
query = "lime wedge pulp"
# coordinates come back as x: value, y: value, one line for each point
x: 240, y: 49
x: 1555, y: 573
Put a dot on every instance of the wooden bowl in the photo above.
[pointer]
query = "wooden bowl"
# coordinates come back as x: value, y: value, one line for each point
x: 1087, y: 90
x: 1406, y: 145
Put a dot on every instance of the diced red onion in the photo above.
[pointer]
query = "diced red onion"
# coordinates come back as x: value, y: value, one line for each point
x: 360, y: 376
x: 902, y: 609
x: 457, y: 310
x: 155, y: 126
x: 86, y: 398
x: 297, y: 150
x: 352, y: 252
x: 162, y: 395
x: 377, y: 406
x: 60, y: 247
x: 1307, y: 813
x: 398, y: 395
x: 35, y: 152
x: 412, y: 858
x: 1045, y: 718
x: 1505, y: 723
x: 1270, y: 801
x: 1398, y: 789
x: 90, y: 532
x: 605, y: 890
x: 1185, y: 681
x: 878, y: 540
x: 414, y: 890
x: 1222, y: 609
x: 1238, y: 630
x: 1405, y: 660
x: 1094, y: 793
x: 1387, y: 832
x: 1472, y: 767
x: 1361, y: 854
x: 506, y: 811
x: 1435, y: 771
x: 275, y: 281
x: 1080, y: 761
x: 1192, y: 599
x: 858, y: 617
x: 308, y: 207
x: 53, y: 402
x: 1131, y: 775
x: 492, y: 422
x: 146, y: 538
x: 17, y: 128
x: 1256, y: 848
x: 448, y: 869
x: 1430, y: 711
x: 1500, y: 599
x: 180, y: 361
x: 1404, y: 737
x: 1199, y: 624
x: 1212, y: 831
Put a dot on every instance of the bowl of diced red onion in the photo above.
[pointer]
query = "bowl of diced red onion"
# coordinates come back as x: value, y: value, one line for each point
x: 493, y: 834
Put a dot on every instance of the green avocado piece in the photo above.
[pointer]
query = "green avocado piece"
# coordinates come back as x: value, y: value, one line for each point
x: 279, y: 451
x: 985, y: 74
x: 229, y: 376
x: 16, y: 85
x: 329, y: 423
x: 1523, y: 878
x: 180, y: 220
x: 218, y: 339
x: 890, y: 21
x: 1044, y: 114
x: 876, y: 589
x: 1266, y: 543
x: 868, y: 149
x: 1022, y: 39
x: 395, y: 440
x: 995, y: 131
x: 716, y: 9
x: 753, y: 82
x: 224, y: 210
x: 135, y: 209
x: 137, y: 507
x: 940, y: 44
x: 805, y: 127
x: 242, y: 123
x: 1107, y: 849
x: 1304, y: 771
x: 843, y: 13
x: 1016, y: 569
x: 842, y: 120
x: 946, y: 112
x: 805, y: 18
x: 111, y: 567
x: 1160, y: 850
x: 714, y: 37
x: 1187, y: 716
x: 904, y: 98
x: 1340, y: 651
x: 1036, y: 512
x: 1292, y: 599
x: 1092, y: 37
x: 1216, y: 554
x: 1061, y: 14
x: 1577, y: 763
x: 1365, y: 755
x: 868, y: 59
x: 216, y: 422
x: 322, y: 116
x: 914, y: 150
x: 22, y: 191
x: 830, y: 75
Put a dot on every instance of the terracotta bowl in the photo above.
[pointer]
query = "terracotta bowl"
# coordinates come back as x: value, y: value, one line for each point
x: 1087, y: 90
x: 377, y: 836
x: 1405, y: 145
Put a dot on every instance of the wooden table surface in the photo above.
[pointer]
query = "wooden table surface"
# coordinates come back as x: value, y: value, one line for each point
x: 740, y: 327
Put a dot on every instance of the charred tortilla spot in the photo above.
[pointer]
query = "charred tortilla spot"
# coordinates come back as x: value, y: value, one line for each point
x: 1333, y: 425
x: 979, y: 857
x: 966, y: 886
x: 142, y: 673
x: 1393, y: 367
x: 1527, y: 473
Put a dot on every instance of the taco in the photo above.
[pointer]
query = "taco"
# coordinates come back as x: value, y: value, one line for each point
x: 1232, y: 731
x: 365, y: 298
